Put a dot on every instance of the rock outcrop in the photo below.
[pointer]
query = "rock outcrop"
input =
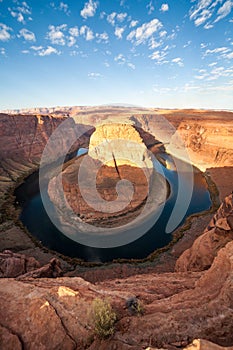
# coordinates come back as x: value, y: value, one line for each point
x: 202, y: 344
x: 20, y: 265
x: 205, y: 248
x: 178, y: 307
x: 116, y: 152
x: 119, y: 144
x: 193, y: 302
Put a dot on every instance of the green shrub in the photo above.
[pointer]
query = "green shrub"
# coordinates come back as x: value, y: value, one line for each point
x: 104, y: 318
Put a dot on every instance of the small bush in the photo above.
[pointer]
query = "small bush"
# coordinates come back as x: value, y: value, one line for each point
x: 104, y: 318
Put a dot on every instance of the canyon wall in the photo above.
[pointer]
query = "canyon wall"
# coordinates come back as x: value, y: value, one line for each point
x: 195, y: 301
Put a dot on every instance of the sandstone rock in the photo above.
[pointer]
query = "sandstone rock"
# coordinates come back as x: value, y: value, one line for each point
x: 121, y: 142
x: 54, y: 313
x: 217, y: 234
x: 89, y: 184
x: 202, y: 344
x: 22, y: 266
x: 13, y: 265
x: 50, y: 270
x: 9, y: 340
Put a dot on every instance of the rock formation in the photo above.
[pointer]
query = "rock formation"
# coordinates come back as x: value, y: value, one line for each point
x: 178, y: 307
x: 116, y: 152
x: 19, y: 265
x: 195, y: 301
x: 205, y: 248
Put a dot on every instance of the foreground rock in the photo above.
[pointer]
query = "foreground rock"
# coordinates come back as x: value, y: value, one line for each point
x: 205, y: 248
x: 202, y: 344
x: 19, y: 265
x: 178, y: 307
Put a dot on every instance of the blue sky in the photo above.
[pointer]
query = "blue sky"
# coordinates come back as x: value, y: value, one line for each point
x: 155, y: 53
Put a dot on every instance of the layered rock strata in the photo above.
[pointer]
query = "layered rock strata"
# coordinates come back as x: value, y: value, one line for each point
x: 205, y: 248
x: 118, y: 153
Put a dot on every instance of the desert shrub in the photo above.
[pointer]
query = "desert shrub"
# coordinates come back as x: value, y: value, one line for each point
x: 134, y: 306
x: 104, y: 318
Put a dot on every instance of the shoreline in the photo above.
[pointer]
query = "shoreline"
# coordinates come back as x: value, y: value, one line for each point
x: 78, y: 266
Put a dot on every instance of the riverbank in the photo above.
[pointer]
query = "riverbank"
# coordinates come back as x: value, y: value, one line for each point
x: 14, y: 236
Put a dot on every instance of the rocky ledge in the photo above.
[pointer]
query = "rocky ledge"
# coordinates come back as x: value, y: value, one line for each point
x: 177, y: 307
x: 195, y: 301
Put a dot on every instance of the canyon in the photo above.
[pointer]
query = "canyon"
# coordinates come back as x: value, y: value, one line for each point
x: 186, y: 290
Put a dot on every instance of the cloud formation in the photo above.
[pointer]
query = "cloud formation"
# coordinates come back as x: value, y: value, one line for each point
x: 119, y: 32
x: 27, y: 35
x: 204, y: 11
x: 20, y: 12
x: 87, y: 33
x: 164, y: 7
x: 41, y: 51
x: 56, y: 34
x: 89, y: 9
x: 5, y: 32
x: 143, y: 33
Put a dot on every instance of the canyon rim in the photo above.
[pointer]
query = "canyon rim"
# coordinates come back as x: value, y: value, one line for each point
x: 45, y: 293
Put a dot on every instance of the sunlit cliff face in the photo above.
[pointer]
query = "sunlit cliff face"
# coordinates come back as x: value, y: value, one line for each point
x: 119, y: 144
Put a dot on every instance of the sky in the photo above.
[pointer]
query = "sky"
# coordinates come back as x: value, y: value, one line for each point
x: 152, y: 53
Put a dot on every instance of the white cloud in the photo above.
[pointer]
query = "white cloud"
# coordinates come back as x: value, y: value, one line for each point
x: 17, y: 15
x: 27, y: 35
x: 217, y: 50
x: 215, y: 73
x: 49, y: 51
x: 208, y: 26
x: 179, y: 61
x: 40, y: 51
x: 5, y: 32
x: 228, y: 56
x: 64, y: 7
x: 150, y: 7
x: 212, y: 64
x: 119, y: 32
x: 163, y: 33
x: 164, y: 7
x: 203, y: 45
x: 71, y: 41
x: 205, y: 14
x: 20, y: 12
x: 187, y: 44
x: 205, y: 9
x: 159, y: 56
x: 87, y: 33
x: 2, y: 51
x: 153, y: 44
x: 56, y: 35
x: 224, y: 10
x: 93, y: 75
x: 120, y: 59
x: 89, y: 9
x: 24, y: 8
x: 143, y: 33
x: 131, y: 65
x: 102, y: 37
x: 36, y: 48
x: 133, y: 23
x: 111, y: 18
x: 121, y: 16
x: 74, y: 31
